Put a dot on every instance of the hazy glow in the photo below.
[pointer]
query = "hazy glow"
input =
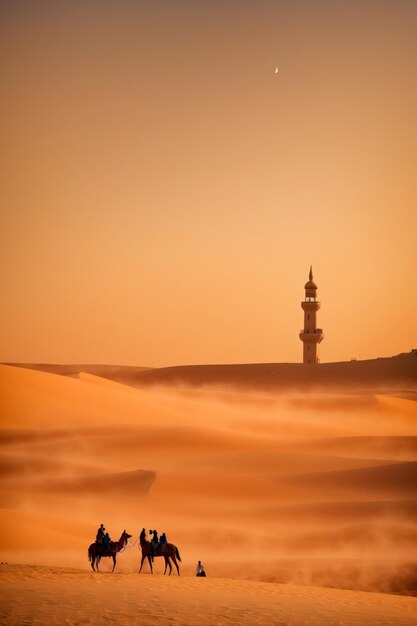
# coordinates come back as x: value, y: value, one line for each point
x: 327, y: 482
x: 163, y: 193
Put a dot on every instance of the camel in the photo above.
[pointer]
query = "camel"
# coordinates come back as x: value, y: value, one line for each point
x: 96, y: 550
x: 171, y: 552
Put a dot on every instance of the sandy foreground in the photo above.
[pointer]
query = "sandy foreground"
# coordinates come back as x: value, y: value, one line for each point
x: 302, y: 507
x: 45, y: 595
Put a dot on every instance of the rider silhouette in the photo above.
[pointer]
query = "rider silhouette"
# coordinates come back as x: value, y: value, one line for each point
x: 154, y: 542
x: 163, y: 542
x: 100, y: 534
x: 103, y: 538
x: 106, y: 543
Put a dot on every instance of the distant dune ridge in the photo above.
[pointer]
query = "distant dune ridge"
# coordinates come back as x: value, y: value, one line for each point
x: 316, y: 489
x: 400, y: 371
x: 74, y: 370
x: 392, y: 372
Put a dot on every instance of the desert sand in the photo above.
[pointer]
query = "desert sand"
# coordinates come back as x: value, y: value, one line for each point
x: 302, y: 507
x: 45, y: 595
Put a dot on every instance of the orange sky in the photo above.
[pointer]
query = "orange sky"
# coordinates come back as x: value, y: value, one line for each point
x: 163, y: 192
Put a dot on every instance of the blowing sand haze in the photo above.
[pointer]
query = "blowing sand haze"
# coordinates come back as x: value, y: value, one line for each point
x: 309, y: 491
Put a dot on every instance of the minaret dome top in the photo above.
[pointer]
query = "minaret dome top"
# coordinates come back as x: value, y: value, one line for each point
x: 310, y: 284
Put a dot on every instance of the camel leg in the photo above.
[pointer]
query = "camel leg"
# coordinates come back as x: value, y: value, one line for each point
x: 176, y: 564
x: 141, y: 563
x: 150, y: 563
x: 167, y: 564
x: 142, y: 560
x: 113, y: 556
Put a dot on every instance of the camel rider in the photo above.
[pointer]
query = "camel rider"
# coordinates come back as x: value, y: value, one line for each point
x: 154, y: 542
x: 106, y: 543
x: 142, y: 536
x: 163, y: 542
x: 101, y: 533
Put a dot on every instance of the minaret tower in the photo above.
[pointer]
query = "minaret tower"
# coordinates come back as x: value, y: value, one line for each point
x: 310, y: 335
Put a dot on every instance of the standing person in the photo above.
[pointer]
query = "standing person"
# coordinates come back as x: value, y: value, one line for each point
x: 200, y: 569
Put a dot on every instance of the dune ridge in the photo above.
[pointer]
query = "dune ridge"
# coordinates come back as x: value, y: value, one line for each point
x: 76, y: 369
x: 398, y: 372
x: 388, y: 373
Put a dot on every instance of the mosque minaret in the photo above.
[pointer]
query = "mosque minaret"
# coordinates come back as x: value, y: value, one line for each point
x: 310, y: 335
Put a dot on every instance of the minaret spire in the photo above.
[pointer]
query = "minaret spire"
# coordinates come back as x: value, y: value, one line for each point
x: 310, y: 335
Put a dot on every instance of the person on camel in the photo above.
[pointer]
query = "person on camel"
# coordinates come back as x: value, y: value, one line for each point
x: 103, y: 539
x: 106, y: 543
x: 100, y: 534
x: 154, y: 542
x: 163, y: 542
x: 142, y: 536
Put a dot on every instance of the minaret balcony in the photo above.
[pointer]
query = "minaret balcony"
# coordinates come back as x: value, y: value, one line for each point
x: 310, y: 305
x: 314, y: 335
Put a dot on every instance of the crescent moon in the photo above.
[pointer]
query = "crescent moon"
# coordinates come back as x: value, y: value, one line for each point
x: 276, y: 70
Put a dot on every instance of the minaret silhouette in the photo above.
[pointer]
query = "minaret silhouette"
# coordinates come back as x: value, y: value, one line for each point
x: 310, y: 335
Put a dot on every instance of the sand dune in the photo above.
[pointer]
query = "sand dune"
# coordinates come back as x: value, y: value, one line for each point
x: 134, y: 483
x: 403, y: 406
x: 16, y: 465
x: 313, y: 489
x: 397, y: 448
x: 35, y: 399
x: 75, y: 370
x: 48, y: 595
x: 396, y: 479
x: 399, y: 373
x: 331, y: 512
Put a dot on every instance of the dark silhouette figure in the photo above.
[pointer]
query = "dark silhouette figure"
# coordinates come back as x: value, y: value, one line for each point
x: 97, y: 550
x: 103, y: 538
x: 100, y: 534
x: 201, y: 572
x: 154, y: 542
x: 163, y: 542
x: 171, y: 552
